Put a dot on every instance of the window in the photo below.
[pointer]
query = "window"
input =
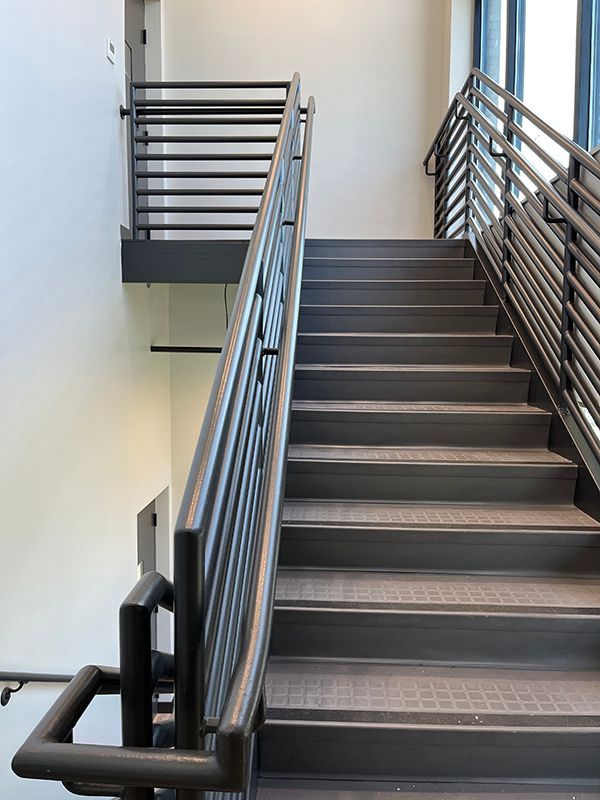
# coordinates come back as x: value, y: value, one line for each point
x: 594, y: 99
x: 550, y: 44
x: 493, y: 39
x: 547, y: 52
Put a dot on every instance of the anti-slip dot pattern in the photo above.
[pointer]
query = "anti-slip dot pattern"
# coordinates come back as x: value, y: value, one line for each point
x: 435, y: 516
x: 461, y: 455
x: 432, y: 408
x: 445, y: 691
x: 413, y: 590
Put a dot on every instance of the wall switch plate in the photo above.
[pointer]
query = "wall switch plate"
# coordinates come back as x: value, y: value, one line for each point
x: 111, y: 50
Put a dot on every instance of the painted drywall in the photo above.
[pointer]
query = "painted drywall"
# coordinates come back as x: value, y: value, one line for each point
x: 376, y: 70
x: 85, y: 408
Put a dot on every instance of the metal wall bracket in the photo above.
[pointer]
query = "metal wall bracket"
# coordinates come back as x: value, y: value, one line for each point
x: 8, y: 692
x: 124, y: 112
x: 495, y: 153
x: 546, y: 215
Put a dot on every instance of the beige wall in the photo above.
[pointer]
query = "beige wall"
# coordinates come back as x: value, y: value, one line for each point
x: 376, y: 68
x: 84, y: 407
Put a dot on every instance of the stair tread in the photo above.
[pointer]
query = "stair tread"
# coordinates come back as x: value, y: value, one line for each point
x: 435, y: 515
x: 293, y: 789
x: 444, y: 695
x: 423, y: 407
x: 462, y: 455
x: 337, y: 588
x: 454, y: 695
x: 414, y: 338
x: 401, y: 308
x: 422, y: 368
x: 417, y: 283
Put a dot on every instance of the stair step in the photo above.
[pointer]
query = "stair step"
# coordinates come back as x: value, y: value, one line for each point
x: 530, y: 622
x: 397, y: 319
x: 297, y: 789
x: 430, y: 723
x: 394, y: 292
x: 400, y: 382
x: 384, y: 248
x: 317, y: 268
x: 504, y: 540
x: 397, y: 423
x: 403, y: 348
x: 457, y: 474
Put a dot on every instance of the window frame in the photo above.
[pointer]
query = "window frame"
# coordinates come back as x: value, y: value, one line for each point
x: 588, y: 11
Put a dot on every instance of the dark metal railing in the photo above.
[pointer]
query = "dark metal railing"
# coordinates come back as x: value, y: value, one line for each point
x: 226, y: 546
x: 23, y: 678
x: 529, y: 198
x: 190, y: 144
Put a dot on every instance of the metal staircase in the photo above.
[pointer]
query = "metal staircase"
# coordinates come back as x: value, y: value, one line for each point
x: 437, y: 608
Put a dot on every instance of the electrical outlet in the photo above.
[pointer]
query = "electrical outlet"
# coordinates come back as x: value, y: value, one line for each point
x: 111, y: 50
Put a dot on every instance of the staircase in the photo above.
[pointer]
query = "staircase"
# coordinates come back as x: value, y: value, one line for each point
x: 437, y: 616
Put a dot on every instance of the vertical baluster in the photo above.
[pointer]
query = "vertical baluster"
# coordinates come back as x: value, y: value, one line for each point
x: 506, y: 232
x: 569, y: 266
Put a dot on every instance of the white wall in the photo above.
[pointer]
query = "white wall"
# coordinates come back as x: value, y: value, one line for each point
x: 85, y: 408
x: 376, y: 70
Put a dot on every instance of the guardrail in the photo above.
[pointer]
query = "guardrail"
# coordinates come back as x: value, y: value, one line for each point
x: 530, y: 198
x: 226, y: 545
x: 199, y: 154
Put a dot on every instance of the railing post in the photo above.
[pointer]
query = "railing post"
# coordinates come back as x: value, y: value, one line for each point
x: 132, y: 150
x: 469, y: 159
x: 506, y: 232
x: 569, y: 266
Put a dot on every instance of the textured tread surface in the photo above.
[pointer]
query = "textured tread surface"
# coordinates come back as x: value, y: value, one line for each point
x: 395, y: 515
x: 456, y: 455
x: 339, y: 588
x: 431, y: 408
x: 291, y: 789
x: 470, y: 694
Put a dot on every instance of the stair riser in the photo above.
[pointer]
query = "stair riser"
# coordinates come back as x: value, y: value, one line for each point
x: 430, y: 483
x: 368, y: 295
x: 445, y: 551
x: 357, y: 353
x: 403, y: 388
x: 400, y: 322
x: 313, y: 749
x: 383, y: 249
x: 510, y: 639
x: 414, y: 429
x: 416, y: 271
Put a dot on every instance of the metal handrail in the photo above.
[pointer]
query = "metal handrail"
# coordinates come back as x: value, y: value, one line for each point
x: 538, y: 233
x: 226, y: 545
x: 23, y: 678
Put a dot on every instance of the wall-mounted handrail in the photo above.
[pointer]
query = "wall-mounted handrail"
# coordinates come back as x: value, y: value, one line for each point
x: 226, y: 544
x: 529, y: 198
x: 23, y: 678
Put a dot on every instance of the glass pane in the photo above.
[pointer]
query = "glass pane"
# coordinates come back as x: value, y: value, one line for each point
x: 493, y: 39
x: 549, y: 69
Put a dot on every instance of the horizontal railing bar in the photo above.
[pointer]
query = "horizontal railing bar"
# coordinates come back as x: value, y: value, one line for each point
x: 196, y: 175
x: 197, y: 209
x: 583, y: 329
x: 591, y: 404
x: 538, y: 232
x: 212, y: 192
x: 209, y: 102
x: 552, y: 363
x: 581, y: 155
x: 221, y: 111
x: 192, y: 227
x: 205, y: 139
x: 445, y: 120
x: 582, y: 423
x: 207, y: 121
x: 582, y: 363
x: 203, y: 157
x: 211, y: 84
x: 34, y: 677
x: 527, y: 140
x: 584, y: 193
x: 524, y: 282
x: 157, y: 348
x: 585, y: 261
x: 489, y: 104
x: 552, y: 281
